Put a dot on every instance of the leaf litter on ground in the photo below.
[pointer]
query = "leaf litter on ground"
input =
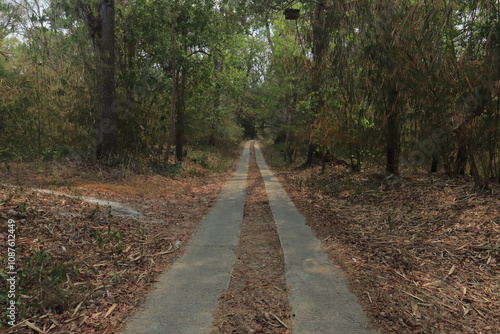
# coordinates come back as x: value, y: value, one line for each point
x: 83, y: 269
x: 422, y: 257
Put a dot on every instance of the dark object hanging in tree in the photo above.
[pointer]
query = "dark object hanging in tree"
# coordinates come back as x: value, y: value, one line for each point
x: 292, y: 14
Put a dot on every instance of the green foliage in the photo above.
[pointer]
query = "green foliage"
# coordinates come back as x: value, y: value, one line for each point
x: 58, y: 273
x: 22, y: 210
x: 389, y: 222
x: 169, y: 170
x: 7, y: 199
x: 107, y: 237
x: 92, y: 214
x: 340, y: 80
x: 110, y: 236
x: 35, y: 265
x: 201, y: 159
x: 416, y: 67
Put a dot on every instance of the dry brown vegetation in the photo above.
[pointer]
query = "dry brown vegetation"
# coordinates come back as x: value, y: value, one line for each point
x: 82, y: 268
x: 422, y: 254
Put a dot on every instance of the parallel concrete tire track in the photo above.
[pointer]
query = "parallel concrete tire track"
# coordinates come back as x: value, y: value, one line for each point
x: 318, y: 291
x: 185, y: 297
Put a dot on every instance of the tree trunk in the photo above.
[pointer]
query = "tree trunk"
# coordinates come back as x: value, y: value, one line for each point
x: 392, y: 138
x: 434, y: 164
x: 102, y: 31
x: 288, y: 154
x: 173, y: 107
x: 320, y: 44
x: 175, y: 80
x: 107, y: 119
x: 219, y: 61
x: 311, y: 154
x: 462, y: 153
x: 494, y: 143
x: 480, y: 182
x: 181, y: 119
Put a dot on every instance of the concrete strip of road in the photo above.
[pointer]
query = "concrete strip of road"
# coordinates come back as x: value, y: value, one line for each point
x: 186, y: 296
x: 318, y: 292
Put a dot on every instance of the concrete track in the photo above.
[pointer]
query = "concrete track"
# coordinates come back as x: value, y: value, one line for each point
x: 184, y: 299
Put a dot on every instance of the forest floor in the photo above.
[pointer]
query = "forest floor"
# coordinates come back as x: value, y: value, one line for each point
x: 423, y: 257
x: 83, y: 269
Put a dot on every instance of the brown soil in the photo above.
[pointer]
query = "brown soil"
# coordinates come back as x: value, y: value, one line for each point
x: 423, y: 257
x: 256, y: 300
x: 99, y: 267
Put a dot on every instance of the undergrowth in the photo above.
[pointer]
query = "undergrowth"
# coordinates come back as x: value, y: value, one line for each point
x: 334, y: 180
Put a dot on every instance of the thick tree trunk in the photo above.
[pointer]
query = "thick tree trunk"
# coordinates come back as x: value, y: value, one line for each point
x: 392, y: 138
x: 311, y: 154
x: 493, y: 144
x: 480, y: 182
x: 101, y: 29
x: 219, y: 69
x: 107, y: 119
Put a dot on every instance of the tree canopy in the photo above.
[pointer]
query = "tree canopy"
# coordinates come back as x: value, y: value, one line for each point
x: 401, y: 84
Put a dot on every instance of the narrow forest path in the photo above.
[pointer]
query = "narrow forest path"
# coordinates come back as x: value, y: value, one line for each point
x: 225, y: 275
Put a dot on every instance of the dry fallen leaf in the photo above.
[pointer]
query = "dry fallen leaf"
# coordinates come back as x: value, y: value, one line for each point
x: 110, y: 310
x: 34, y: 327
x: 414, y: 309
